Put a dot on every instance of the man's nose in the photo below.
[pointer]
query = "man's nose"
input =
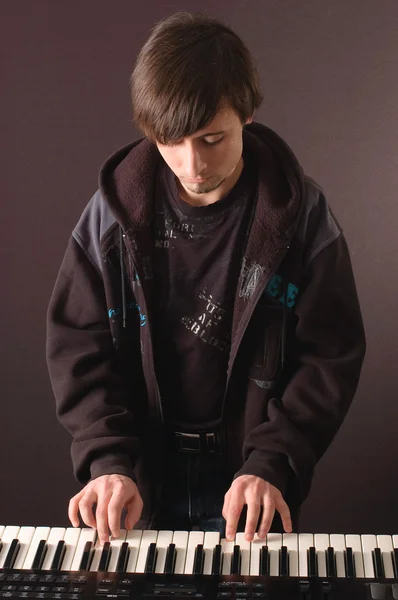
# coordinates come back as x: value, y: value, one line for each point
x: 194, y: 165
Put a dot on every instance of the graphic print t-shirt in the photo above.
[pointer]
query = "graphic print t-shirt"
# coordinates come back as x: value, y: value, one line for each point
x: 197, y: 260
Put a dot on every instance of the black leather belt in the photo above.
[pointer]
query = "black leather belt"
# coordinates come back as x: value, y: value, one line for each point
x: 204, y: 442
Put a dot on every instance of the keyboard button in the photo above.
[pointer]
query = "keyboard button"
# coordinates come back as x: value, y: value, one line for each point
x: 378, y: 591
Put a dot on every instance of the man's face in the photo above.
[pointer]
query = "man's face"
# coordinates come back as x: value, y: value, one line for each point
x: 210, y: 161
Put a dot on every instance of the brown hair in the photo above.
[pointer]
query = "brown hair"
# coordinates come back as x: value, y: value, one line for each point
x: 191, y: 67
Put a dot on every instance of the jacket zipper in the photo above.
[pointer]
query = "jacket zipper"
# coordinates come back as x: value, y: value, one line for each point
x: 258, y: 294
x: 155, y: 386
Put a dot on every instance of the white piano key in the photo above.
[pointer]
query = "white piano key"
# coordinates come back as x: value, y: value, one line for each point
x: 56, y: 535
x: 148, y: 537
x: 41, y: 533
x: 71, y: 539
x: 194, y: 538
x: 384, y: 542
x: 116, y: 544
x: 2, y: 527
x: 290, y: 540
x: 369, y: 543
x: 321, y: 543
x: 133, y: 538
x: 211, y: 540
x: 180, y: 539
x: 87, y: 534
x: 395, y: 541
x: 244, y: 553
x: 305, y: 541
x: 274, y: 543
x: 10, y: 533
x: 25, y: 536
x: 354, y: 541
x: 337, y: 542
x: 164, y: 540
x: 256, y: 546
x: 227, y: 549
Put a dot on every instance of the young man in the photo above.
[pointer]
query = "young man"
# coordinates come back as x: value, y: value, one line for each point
x: 204, y: 335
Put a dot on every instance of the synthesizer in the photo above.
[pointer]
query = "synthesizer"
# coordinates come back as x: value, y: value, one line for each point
x: 70, y: 564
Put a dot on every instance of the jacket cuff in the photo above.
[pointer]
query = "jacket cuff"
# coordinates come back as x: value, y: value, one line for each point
x: 273, y: 469
x: 112, y: 465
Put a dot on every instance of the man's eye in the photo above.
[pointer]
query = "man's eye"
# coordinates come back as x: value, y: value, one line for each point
x: 211, y: 143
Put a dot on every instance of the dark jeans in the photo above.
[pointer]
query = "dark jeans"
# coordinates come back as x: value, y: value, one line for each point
x: 193, y: 495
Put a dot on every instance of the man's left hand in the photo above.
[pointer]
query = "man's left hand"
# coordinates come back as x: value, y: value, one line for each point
x: 256, y: 493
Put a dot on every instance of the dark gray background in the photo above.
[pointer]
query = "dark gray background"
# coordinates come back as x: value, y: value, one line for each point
x: 329, y: 75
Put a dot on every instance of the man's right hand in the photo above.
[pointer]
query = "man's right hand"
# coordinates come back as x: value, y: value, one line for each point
x: 111, y: 493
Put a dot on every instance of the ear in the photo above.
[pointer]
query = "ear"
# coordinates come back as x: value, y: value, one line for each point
x: 249, y: 119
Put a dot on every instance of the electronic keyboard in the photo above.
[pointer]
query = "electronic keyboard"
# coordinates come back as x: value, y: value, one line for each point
x: 70, y: 564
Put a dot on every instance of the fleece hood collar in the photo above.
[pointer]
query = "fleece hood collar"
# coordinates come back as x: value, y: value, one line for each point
x: 128, y: 176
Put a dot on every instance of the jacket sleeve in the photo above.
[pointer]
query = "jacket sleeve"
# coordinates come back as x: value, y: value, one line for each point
x: 328, y: 350
x: 92, y: 397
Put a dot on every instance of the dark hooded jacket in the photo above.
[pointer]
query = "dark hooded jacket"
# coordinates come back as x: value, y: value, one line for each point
x: 297, y: 339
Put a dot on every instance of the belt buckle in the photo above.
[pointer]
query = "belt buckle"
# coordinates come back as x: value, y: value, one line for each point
x: 193, y: 440
x: 196, y: 443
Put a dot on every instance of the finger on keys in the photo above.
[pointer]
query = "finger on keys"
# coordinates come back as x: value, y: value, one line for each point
x: 115, y: 508
x: 284, y: 512
x: 134, y: 510
x: 266, y: 519
x: 234, y: 511
x: 86, y: 504
x: 73, y: 509
x: 224, y: 511
x: 253, y: 513
x: 101, y: 515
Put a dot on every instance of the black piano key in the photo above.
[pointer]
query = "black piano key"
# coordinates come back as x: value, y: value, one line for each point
x: 378, y: 563
x: 87, y: 557
x: 312, y: 562
x: 236, y: 560
x: 58, y: 556
x: 283, y: 562
x: 11, y: 554
x: 395, y: 562
x: 105, y: 557
x: 198, y: 560
x: 123, y: 558
x: 216, y: 562
x: 349, y: 562
x: 331, y: 562
x: 151, y: 558
x: 170, y: 561
x: 264, y: 560
x: 40, y: 554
